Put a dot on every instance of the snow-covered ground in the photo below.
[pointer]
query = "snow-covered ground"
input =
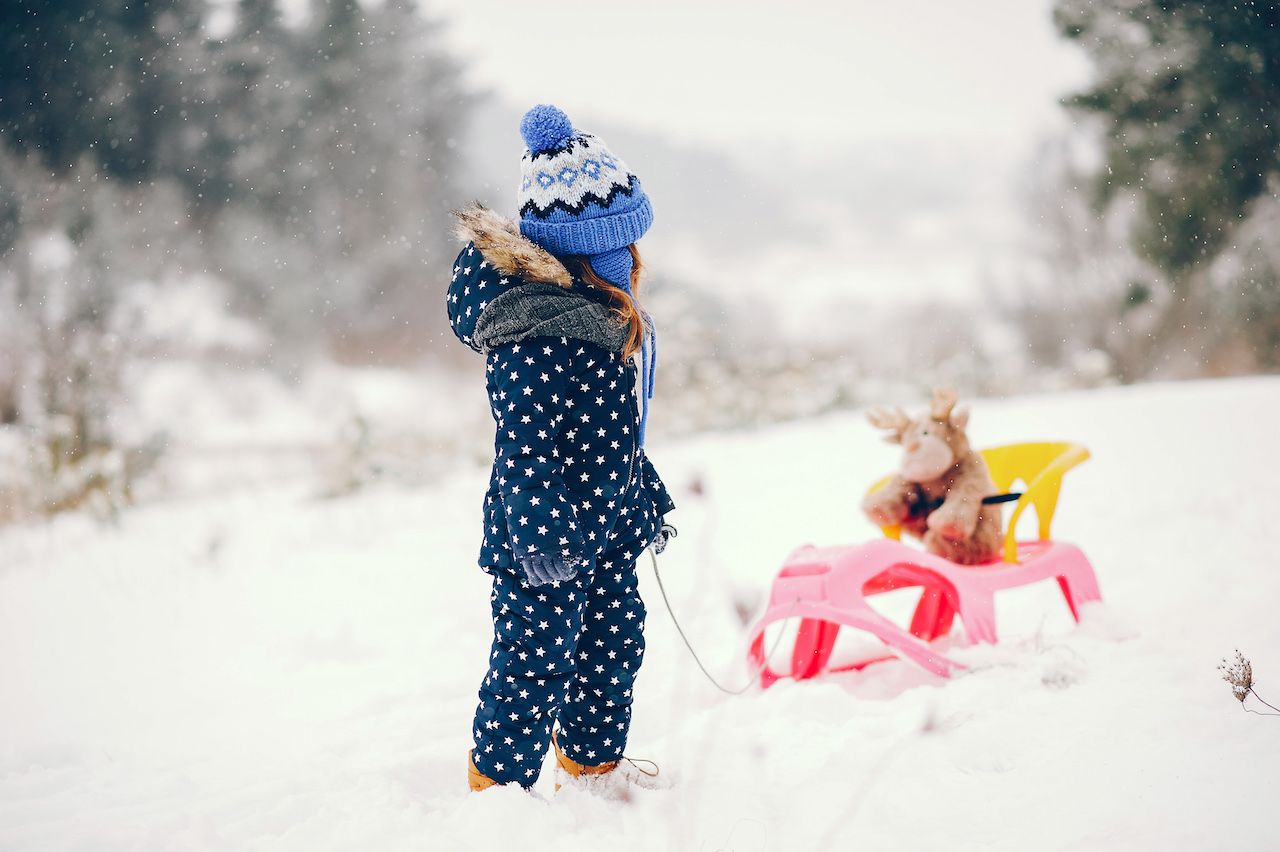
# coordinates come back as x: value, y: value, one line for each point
x: 265, y: 670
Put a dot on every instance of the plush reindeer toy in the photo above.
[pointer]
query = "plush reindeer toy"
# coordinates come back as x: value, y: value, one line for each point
x: 937, y: 493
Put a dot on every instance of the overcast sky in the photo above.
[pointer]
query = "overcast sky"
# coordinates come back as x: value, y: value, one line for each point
x: 812, y: 75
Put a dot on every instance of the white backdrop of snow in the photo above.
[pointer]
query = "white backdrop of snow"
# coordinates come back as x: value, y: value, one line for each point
x: 262, y: 670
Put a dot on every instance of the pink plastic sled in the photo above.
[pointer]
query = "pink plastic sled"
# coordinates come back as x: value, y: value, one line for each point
x: 827, y: 587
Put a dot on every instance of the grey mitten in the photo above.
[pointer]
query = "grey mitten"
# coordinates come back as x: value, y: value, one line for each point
x: 547, y: 569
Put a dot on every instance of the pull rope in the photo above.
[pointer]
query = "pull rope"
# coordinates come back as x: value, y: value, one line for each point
x: 636, y: 763
x: 763, y: 665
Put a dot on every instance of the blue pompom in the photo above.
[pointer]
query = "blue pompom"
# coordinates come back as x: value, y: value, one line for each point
x: 545, y: 127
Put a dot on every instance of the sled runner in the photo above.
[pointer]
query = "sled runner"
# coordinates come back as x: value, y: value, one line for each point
x: 827, y: 587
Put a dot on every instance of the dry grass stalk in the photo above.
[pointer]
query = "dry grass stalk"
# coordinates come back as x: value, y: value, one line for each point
x: 1239, y: 673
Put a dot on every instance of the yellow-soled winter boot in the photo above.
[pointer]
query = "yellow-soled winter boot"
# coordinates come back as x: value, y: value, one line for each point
x: 579, y: 770
x: 477, y: 779
x: 613, y: 779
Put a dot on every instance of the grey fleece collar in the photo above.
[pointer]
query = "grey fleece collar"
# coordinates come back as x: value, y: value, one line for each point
x: 547, y: 310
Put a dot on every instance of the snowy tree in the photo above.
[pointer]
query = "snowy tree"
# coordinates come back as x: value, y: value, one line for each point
x: 1187, y: 96
x: 383, y: 105
x: 309, y: 168
x: 94, y: 78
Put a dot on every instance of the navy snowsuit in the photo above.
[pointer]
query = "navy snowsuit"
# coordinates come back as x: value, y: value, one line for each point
x: 569, y: 478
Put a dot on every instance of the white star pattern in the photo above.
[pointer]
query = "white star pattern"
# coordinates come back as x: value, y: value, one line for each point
x: 587, y: 649
x: 547, y: 510
x: 568, y: 479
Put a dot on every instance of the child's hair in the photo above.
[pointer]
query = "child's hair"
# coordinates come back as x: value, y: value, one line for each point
x: 622, y: 303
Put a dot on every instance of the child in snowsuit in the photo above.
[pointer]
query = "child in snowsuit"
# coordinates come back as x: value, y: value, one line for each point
x: 572, y: 501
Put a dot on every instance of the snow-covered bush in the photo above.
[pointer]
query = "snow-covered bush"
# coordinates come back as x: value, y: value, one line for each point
x: 67, y: 338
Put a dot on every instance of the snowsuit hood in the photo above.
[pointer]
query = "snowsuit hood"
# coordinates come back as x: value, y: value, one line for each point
x: 535, y: 295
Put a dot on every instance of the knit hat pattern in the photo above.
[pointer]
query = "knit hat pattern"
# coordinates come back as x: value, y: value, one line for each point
x: 577, y: 197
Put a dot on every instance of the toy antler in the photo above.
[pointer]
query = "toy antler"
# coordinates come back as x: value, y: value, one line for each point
x: 944, y: 399
x: 895, y: 420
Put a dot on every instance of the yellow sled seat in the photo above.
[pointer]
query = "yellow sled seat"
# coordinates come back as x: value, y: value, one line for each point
x: 1040, y: 467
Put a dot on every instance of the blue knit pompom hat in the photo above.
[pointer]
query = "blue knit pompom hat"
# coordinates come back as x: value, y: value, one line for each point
x: 577, y: 198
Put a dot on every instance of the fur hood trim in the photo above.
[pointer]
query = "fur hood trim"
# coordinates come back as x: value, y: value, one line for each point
x: 510, y: 252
